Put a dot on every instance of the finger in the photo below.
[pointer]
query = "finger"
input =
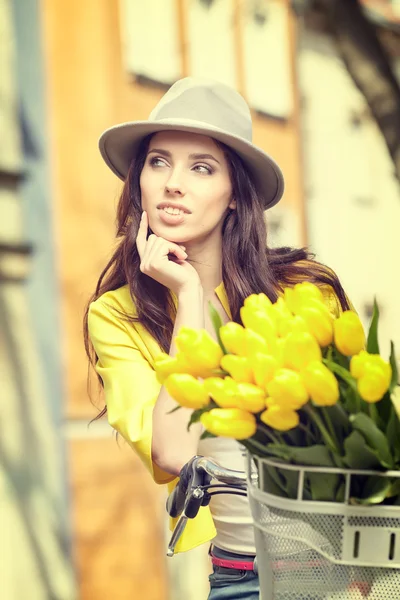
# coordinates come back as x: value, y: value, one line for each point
x: 141, y: 237
x: 164, y: 247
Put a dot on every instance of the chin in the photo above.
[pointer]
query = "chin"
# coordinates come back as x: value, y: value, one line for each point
x: 177, y: 234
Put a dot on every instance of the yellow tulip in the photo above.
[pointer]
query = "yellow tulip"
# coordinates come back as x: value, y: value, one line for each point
x: 321, y: 384
x: 373, y: 384
x: 260, y: 322
x: 257, y: 302
x: 240, y: 341
x: 264, y: 367
x: 280, y: 313
x: 229, y: 422
x: 300, y: 348
x: 361, y: 362
x: 349, y: 333
x: 373, y: 373
x: 233, y: 337
x: 187, y: 390
x: 165, y: 365
x: 358, y: 362
x: 278, y: 418
x: 238, y: 367
x: 294, y: 324
x: 318, y: 320
x: 279, y: 352
x: 252, y: 398
x: 224, y: 392
x: 301, y: 295
x: 199, y: 347
x: 227, y: 393
x: 287, y: 389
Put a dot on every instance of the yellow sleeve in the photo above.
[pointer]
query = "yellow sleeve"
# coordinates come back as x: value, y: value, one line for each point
x: 130, y: 384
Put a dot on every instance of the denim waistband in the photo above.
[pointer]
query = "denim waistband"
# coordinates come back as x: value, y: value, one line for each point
x: 226, y: 554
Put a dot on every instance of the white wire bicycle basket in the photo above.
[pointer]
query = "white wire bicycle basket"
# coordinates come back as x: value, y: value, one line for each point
x: 308, y: 550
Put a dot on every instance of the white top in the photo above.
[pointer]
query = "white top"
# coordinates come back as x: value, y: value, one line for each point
x: 231, y: 514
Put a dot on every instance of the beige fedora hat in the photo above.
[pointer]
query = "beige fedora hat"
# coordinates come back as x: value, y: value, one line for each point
x: 201, y: 106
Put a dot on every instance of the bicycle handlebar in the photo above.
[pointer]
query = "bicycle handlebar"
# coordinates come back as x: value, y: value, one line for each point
x: 192, y: 492
x: 222, y: 475
x: 198, y: 472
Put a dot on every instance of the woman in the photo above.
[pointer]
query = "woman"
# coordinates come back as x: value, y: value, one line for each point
x: 191, y: 229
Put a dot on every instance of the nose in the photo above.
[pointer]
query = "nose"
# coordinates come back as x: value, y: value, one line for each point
x: 174, y: 186
x: 173, y: 189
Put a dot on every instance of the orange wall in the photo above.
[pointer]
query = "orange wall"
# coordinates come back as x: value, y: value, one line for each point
x: 87, y: 91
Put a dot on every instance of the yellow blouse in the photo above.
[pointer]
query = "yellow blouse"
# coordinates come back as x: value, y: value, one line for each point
x: 126, y: 354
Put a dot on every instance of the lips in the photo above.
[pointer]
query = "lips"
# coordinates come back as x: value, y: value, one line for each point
x: 173, y: 208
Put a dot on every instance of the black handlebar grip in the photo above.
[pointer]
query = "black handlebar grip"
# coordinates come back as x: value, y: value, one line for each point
x: 193, y: 506
x: 176, y: 500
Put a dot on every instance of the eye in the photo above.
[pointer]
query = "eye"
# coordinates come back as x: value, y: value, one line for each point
x: 156, y: 161
x: 204, y: 169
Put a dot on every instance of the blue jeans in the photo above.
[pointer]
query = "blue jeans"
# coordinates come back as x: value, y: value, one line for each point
x: 232, y: 584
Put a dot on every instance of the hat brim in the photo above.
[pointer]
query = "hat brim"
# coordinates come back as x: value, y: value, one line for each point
x: 119, y: 144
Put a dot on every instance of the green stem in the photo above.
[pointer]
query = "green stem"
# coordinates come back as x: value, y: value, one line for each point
x: 252, y: 445
x: 330, y: 425
x: 373, y: 413
x: 325, y: 434
x: 305, y: 429
x: 342, y: 372
x: 269, y: 433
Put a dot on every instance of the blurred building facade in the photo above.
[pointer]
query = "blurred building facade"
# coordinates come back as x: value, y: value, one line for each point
x: 107, y: 62
x: 35, y: 547
x: 352, y: 193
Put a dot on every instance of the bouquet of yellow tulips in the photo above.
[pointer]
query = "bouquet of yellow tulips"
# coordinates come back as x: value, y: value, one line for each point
x: 296, y: 384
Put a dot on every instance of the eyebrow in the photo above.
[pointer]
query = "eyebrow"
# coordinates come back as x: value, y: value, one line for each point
x: 168, y: 154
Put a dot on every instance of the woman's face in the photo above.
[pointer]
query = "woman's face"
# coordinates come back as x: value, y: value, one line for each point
x: 185, y: 186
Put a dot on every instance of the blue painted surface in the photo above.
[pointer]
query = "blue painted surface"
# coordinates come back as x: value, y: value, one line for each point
x: 42, y: 290
x: 42, y: 285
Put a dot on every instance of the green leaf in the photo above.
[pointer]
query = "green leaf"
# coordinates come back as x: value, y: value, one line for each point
x: 174, y: 410
x: 323, y: 486
x: 314, y: 456
x: 291, y: 482
x: 393, y: 363
x: 339, y: 358
x: 383, y: 409
x: 207, y: 434
x: 339, y: 419
x: 342, y: 372
x: 349, y: 398
x: 372, y: 340
x: 394, y: 488
x: 393, y: 434
x: 196, y: 414
x: 273, y: 482
x: 357, y: 454
x: 374, y: 491
x: 278, y: 450
x: 374, y: 437
x: 340, y: 492
x: 217, y: 324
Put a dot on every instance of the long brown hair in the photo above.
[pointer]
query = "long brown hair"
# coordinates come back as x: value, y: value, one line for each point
x: 248, y: 265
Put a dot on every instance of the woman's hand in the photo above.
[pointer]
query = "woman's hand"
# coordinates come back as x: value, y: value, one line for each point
x: 177, y: 275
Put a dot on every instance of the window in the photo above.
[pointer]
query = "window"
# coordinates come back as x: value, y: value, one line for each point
x: 211, y: 37
x: 151, y: 39
x: 267, y: 64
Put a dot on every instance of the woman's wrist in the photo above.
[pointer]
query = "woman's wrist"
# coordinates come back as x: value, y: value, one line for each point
x: 191, y: 293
